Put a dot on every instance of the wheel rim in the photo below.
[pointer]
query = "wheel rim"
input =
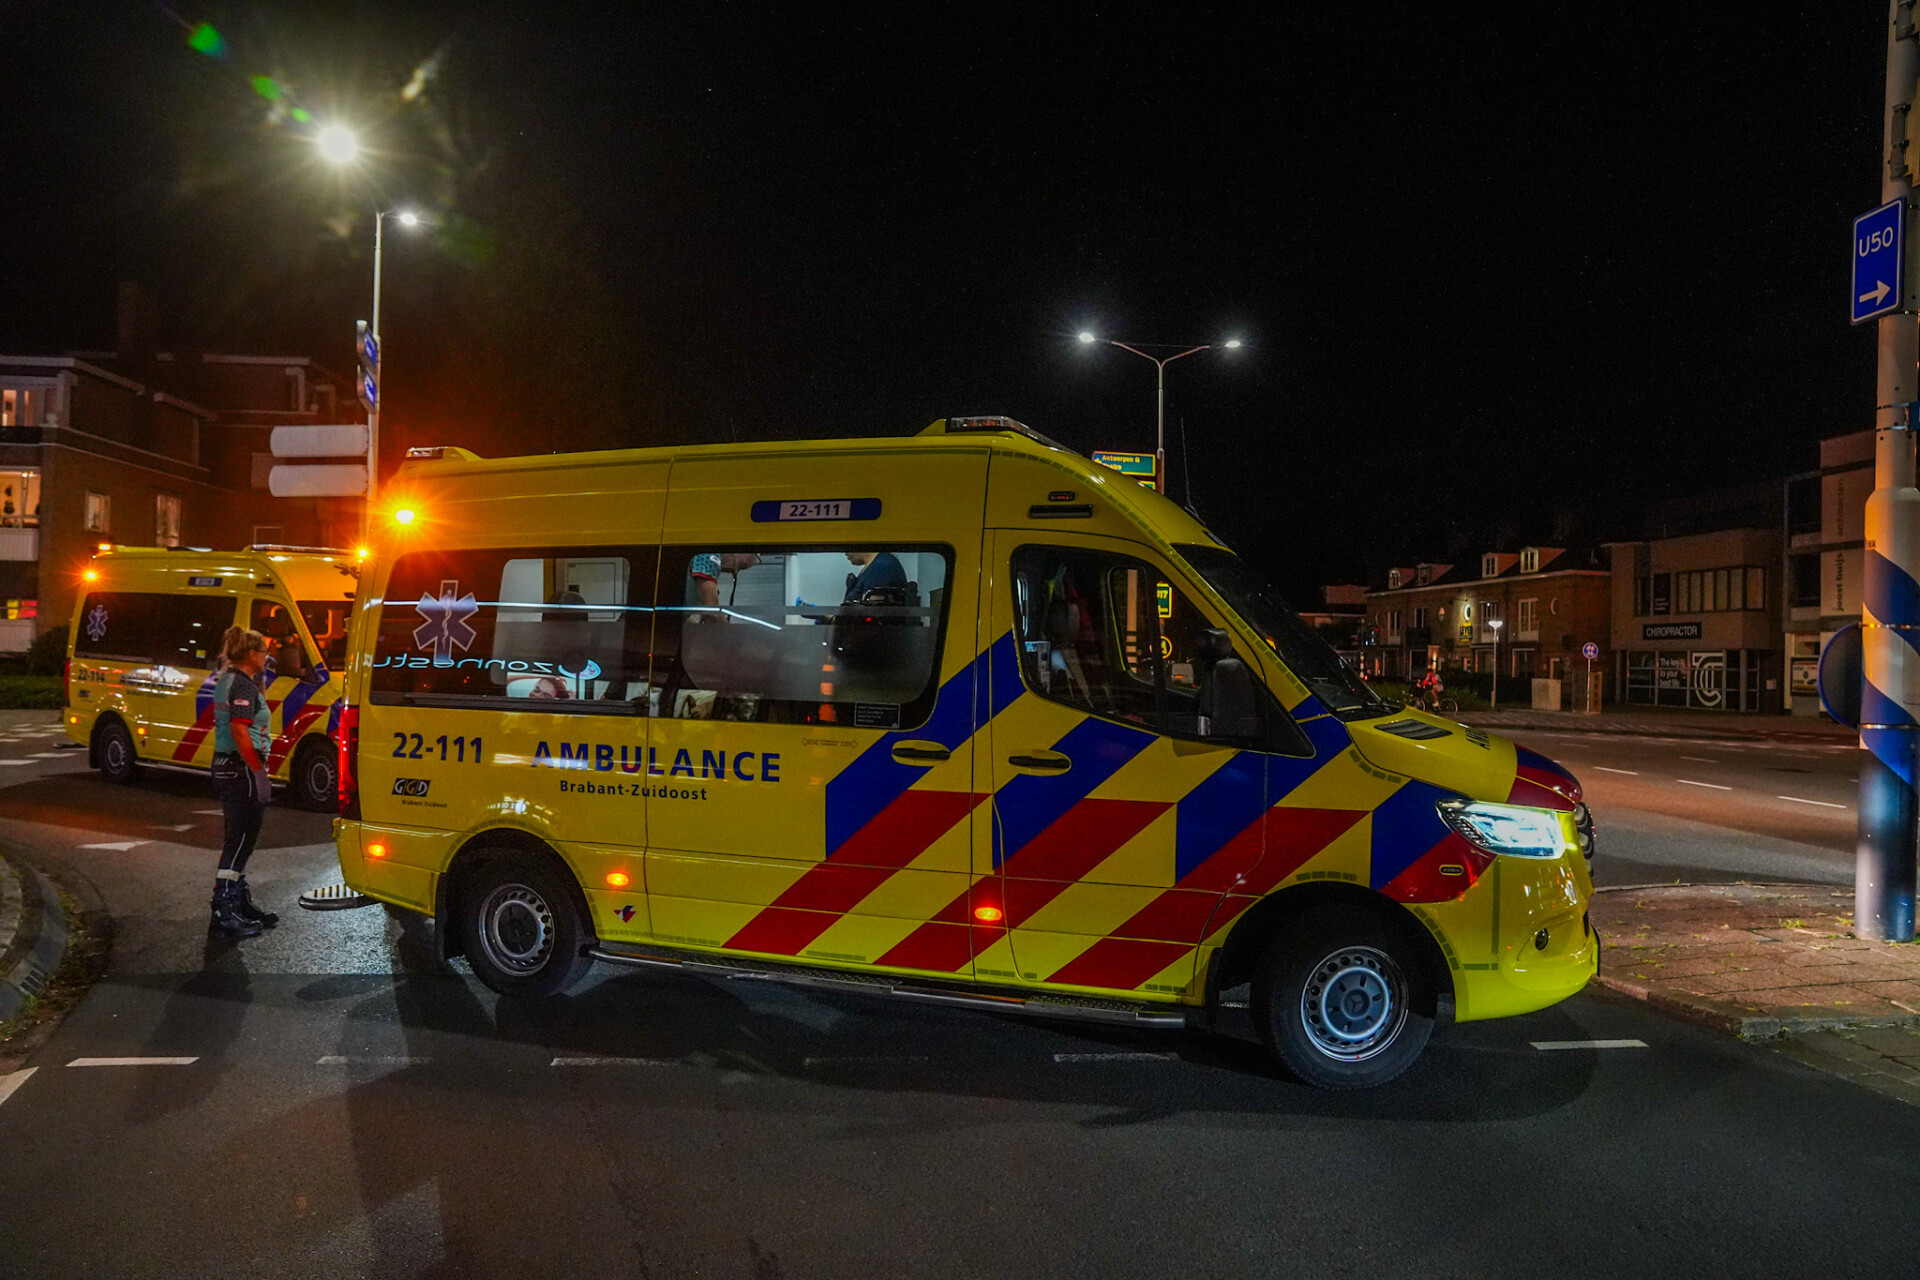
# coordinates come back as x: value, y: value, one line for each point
x: 114, y: 751
x: 1354, y: 1004
x: 320, y: 787
x: 516, y: 929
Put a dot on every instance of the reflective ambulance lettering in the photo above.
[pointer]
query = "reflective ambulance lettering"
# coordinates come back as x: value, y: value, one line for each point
x: 605, y: 757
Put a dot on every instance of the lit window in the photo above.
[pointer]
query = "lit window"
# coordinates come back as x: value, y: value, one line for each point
x: 1530, y: 561
x: 20, y: 499
x: 19, y: 407
x: 166, y: 520
x: 99, y: 512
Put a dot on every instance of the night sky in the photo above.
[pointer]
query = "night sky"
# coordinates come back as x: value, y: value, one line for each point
x: 1491, y: 268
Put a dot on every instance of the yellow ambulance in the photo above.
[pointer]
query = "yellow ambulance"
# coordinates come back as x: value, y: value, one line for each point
x: 143, y: 649
x: 959, y: 717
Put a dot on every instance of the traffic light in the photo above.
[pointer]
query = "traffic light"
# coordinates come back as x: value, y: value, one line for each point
x: 366, y: 349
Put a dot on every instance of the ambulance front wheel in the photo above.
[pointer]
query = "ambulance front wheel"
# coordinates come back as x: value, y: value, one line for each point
x: 114, y: 752
x: 1337, y: 1000
x: 523, y: 933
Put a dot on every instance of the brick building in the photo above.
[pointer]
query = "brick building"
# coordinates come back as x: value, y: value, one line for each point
x: 166, y: 449
x: 1550, y: 601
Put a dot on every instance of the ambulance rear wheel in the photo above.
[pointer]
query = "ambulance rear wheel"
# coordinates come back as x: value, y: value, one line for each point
x: 113, y: 750
x: 523, y: 933
x: 314, y: 775
x: 1337, y: 1000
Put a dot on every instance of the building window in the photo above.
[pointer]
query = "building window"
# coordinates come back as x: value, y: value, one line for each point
x: 19, y: 407
x: 1530, y: 560
x: 1718, y: 590
x: 1527, y: 625
x: 166, y: 520
x: 20, y: 499
x: 99, y: 512
x: 1420, y: 616
x: 1489, y: 565
x: 1803, y: 589
x: 1425, y: 575
x: 1393, y: 579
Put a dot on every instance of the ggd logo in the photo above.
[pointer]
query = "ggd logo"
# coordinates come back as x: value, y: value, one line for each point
x: 410, y: 786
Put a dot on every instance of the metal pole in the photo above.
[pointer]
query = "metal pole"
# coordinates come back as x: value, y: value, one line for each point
x: 1883, y: 888
x: 373, y: 414
x: 1160, y: 426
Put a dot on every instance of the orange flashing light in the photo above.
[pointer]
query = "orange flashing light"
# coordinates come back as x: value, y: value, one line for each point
x: 989, y: 915
x: 103, y: 547
x: 619, y: 879
x: 363, y: 552
x: 404, y: 515
x: 91, y: 575
x: 376, y: 851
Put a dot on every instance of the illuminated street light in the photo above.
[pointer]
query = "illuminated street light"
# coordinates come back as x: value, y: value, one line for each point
x: 412, y: 219
x: 337, y: 144
x: 1088, y: 338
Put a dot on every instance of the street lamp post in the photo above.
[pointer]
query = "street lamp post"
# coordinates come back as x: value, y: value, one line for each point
x: 1160, y: 364
x: 1494, y: 625
x: 407, y: 219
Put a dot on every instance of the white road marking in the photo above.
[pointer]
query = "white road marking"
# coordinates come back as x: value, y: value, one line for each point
x: 118, y: 846
x: 1589, y: 1044
x: 218, y: 813
x: 184, y: 826
x: 12, y: 1081
x: 1824, y: 804
x: 866, y: 1061
x: 1700, y: 759
x: 341, y: 1060
x: 1631, y: 773
x: 614, y: 1062
x: 133, y: 1062
x: 1115, y: 1057
x: 46, y: 755
x: 11, y: 763
x: 1689, y: 782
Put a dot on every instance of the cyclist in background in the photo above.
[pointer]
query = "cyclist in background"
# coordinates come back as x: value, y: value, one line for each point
x: 1430, y: 687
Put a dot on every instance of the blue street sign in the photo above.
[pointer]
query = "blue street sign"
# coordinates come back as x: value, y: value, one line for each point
x: 1589, y: 651
x: 1879, y: 246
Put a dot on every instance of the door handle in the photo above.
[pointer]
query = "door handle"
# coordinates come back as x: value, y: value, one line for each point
x: 1040, y: 762
x: 916, y: 752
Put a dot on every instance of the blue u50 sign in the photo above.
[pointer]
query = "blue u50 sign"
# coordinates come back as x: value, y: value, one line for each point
x: 1878, y: 257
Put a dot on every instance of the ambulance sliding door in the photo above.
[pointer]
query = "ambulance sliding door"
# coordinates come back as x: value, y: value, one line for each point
x: 810, y: 783
x: 1110, y: 803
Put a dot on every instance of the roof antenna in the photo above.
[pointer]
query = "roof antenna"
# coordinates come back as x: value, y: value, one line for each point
x: 1186, y: 468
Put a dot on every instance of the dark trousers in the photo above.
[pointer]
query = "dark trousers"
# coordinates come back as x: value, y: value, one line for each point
x: 233, y: 784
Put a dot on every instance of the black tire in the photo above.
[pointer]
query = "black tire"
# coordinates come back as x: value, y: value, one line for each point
x: 522, y: 927
x: 1338, y: 997
x: 314, y: 776
x: 115, y: 754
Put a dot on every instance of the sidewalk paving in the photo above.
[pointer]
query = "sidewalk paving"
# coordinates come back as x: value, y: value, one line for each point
x: 1665, y: 723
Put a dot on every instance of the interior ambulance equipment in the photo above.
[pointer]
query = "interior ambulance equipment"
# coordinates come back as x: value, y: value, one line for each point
x: 144, y: 644
x: 960, y: 717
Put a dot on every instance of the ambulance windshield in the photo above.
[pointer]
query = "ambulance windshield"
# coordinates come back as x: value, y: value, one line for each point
x: 1309, y: 657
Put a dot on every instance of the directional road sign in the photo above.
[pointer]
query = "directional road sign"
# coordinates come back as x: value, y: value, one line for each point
x: 1589, y: 651
x: 1879, y: 249
x: 337, y: 480
x: 348, y: 440
x: 1127, y: 464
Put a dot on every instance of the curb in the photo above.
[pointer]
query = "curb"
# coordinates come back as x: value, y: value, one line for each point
x: 1744, y: 1023
x: 38, y: 942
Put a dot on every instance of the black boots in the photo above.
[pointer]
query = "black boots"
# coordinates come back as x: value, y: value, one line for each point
x: 227, y: 916
x: 248, y: 909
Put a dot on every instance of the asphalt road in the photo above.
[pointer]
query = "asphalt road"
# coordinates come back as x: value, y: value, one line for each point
x: 343, y: 1106
x: 1709, y: 810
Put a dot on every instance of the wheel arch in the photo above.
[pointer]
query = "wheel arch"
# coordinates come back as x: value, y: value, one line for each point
x: 489, y: 846
x: 100, y: 721
x: 1234, y: 962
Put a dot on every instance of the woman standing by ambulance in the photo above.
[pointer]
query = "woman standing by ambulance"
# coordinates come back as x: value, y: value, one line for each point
x: 240, y: 779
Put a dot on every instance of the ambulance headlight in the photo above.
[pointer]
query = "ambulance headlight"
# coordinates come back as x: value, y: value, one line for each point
x: 1515, y: 830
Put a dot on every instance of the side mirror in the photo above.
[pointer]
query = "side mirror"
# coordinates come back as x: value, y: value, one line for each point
x: 1229, y: 702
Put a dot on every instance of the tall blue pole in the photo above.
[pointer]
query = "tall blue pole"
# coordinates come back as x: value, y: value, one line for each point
x: 1889, y: 831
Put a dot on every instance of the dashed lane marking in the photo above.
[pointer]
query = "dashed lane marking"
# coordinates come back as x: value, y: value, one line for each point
x: 118, y: 846
x: 614, y: 1062
x: 1116, y: 1057
x: 218, y: 813
x: 1700, y: 759
x: 47, y: 755
x: 1631, y: 773
x: 1711, y: 786
x: 13, y: 763
x: 1589, y: 1044
x: 349, y: 1060
x: 183, y: 826
x: 12, y: 1081
x: 1824, y: 804
x: 133, y: 1062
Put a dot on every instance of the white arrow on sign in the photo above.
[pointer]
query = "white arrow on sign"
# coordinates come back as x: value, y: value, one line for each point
x: 1876, y: 295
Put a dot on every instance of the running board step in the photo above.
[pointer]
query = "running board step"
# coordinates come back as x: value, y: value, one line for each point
x: 334, y: 897
x: 1076, y: 1008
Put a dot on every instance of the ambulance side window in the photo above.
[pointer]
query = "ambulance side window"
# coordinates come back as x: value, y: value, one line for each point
x: 284, y: 649
x: 552, y: 629
x: 135, y: 626
x: 846, y: 635
x: 1112, y: 636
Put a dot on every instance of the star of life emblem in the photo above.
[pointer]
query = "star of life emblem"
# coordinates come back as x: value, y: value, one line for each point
x: 97, y: 623
x: 445, y: 628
